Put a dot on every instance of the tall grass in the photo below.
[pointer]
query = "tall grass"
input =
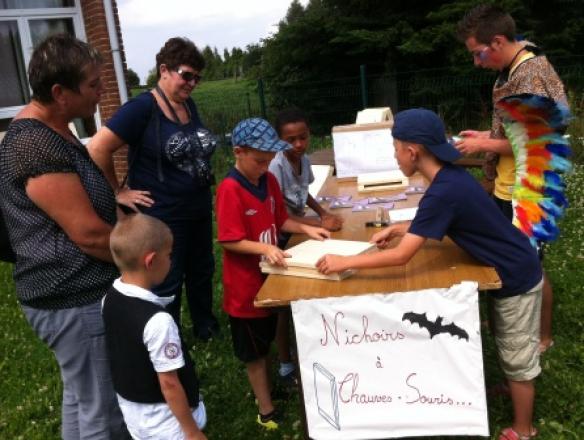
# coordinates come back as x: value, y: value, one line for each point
x: 31, y: 390
x: 576, y: 128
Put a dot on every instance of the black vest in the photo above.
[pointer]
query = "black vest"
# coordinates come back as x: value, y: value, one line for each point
x: 133, y: 374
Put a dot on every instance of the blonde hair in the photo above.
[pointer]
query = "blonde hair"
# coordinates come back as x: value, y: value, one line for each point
x: 134, y: 236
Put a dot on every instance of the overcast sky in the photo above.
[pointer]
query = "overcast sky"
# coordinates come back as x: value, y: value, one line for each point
x: 147, y: 24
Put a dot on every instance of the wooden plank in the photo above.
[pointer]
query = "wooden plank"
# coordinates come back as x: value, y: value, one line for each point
x: 303, y: 258
x: 437, y: 264
x: 304, y: 272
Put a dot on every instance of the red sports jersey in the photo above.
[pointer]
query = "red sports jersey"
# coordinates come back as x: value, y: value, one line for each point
x: 241, y: 215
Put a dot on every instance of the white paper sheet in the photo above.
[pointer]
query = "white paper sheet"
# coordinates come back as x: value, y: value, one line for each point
x: 402, y: 215
x: 320, y: 172
x: 366, y: 151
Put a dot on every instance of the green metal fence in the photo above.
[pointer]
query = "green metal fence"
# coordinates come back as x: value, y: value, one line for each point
x: 463, y: 101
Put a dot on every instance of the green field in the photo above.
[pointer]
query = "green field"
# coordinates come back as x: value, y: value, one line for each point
x: 223, y: 103
x: 219, y: 86
x: 30, y: 398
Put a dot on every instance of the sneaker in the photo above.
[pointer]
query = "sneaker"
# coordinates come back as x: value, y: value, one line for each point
x: 270, y: 421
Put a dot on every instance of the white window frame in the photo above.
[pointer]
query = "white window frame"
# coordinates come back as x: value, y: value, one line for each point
x: 22, y: 18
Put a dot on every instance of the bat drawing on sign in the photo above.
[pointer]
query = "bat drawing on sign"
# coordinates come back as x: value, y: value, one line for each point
x: 435, y: 327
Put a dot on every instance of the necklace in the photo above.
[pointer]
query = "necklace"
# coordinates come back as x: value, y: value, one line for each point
x: 171, y: 108
x: 515, y: 57
x: 504, y: 74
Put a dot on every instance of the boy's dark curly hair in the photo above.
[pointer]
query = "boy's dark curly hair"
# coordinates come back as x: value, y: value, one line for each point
x: 289, y: 115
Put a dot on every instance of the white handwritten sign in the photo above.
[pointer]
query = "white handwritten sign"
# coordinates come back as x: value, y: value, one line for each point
x: 392, y: 365
x: 361, y: 149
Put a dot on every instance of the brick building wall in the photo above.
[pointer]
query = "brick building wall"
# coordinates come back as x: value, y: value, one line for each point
x: 98, y: 36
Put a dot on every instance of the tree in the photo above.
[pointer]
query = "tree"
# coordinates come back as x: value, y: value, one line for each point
x: 251, y: 61
x: 214, y: 64
x: 152, y: 78
x: 132, y: 79
x: 295, y: 12
x: 227, y: 68
x: 236, y: 62
x: 409, y: 42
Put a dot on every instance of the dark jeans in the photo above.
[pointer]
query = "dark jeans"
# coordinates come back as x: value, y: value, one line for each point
x: 192, y: 263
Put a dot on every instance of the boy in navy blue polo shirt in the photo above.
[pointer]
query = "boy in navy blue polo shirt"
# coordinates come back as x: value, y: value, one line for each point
x: 455, y: 205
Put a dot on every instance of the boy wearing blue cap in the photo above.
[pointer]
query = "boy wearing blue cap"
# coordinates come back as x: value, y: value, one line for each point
x: 455, y: 205
x: 250, y: 214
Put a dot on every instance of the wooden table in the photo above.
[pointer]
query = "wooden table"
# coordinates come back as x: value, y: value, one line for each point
x: 437, y: 264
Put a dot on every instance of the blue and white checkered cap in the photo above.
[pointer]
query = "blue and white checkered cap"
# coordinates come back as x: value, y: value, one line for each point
x: 257, y: 133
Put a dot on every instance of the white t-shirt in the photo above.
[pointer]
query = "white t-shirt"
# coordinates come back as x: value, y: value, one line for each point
x: 294, y: 186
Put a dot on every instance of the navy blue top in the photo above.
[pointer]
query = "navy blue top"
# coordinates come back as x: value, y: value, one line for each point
x: 169, y: 159
x: 457, y: 206
x: 260, y: 191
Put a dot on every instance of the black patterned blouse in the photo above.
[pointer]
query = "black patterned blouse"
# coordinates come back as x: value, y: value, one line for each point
x: 51, y: 271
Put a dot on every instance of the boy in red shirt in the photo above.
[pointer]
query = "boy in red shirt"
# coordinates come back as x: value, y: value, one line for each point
x: 250, y: 214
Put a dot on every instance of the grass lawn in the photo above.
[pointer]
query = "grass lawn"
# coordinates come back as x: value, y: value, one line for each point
x: 29, y: 378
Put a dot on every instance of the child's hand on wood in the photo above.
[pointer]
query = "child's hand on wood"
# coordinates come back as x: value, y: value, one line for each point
x: 275, y: 256
x: 329, y: 263
x: 332, y: 222
x: 317, y: 233
x: 382, y: 238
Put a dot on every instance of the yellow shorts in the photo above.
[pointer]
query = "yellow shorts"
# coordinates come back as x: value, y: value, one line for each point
x: 517, y: 322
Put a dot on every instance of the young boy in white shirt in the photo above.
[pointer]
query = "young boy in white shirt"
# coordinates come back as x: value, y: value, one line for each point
x: 154, y: 376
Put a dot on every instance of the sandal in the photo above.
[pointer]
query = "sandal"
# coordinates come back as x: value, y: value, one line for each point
x: 511, y: 434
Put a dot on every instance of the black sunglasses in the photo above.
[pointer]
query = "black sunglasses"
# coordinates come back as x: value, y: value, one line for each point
x: 189, y: 76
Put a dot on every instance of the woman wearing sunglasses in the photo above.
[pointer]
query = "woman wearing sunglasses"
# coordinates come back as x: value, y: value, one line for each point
x: 169, y: 174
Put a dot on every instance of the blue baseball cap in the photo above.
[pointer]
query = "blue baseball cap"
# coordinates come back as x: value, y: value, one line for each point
x: 422, y: 126
x: 257, y: 133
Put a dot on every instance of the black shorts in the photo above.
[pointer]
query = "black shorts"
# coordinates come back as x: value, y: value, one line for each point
x: 252, y: 337
x: 505, y: 206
